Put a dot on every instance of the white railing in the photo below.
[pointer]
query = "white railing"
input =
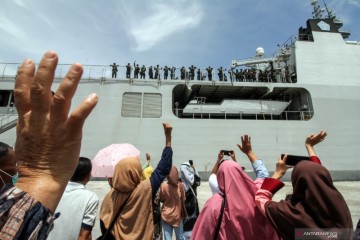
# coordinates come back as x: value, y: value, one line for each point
x: 5, y: 119
x: 104, y: 72
x: 286, y: 115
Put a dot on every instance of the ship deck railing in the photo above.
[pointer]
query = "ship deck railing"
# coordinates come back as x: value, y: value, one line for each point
x: 8, y: 121
x: 104, y: 73
x: 285, y: 115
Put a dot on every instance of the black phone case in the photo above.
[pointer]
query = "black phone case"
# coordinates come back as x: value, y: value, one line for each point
x: 292, y: 160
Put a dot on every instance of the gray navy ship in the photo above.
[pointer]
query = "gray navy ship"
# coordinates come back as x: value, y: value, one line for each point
x: 311, y: 83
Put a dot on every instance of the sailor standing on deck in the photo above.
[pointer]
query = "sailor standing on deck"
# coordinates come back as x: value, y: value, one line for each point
x: 114, y: 70
x: 128, y: 70
x: 182, y: 71
x: 231, y: 74
x: 172, y: 72
x: 136, y: 70
x: 199, y: 77
x: 237, y: 75
x: 166, y: 72
x: 221, y: 74
x: 192, y: 72
x: 142, y: 72
x: 209, y: 70
x: 157, y: 71
x: 151, y: 76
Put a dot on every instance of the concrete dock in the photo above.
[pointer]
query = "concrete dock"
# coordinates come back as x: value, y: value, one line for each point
x: 349, y: 190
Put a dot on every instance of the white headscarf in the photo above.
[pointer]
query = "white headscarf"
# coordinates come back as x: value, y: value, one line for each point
x: 187, y: 177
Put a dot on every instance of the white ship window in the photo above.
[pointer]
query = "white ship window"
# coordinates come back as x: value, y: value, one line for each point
x: 131, y: 105
x: 151, y: 105
x: 141, y: 105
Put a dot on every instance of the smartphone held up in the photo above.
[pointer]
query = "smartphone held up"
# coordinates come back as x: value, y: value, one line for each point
x: 292, y: 160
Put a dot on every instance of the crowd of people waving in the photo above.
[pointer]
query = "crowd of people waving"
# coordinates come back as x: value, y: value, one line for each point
x: 47, y: 156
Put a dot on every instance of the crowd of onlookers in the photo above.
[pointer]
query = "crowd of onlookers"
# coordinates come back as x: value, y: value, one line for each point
x: 43, y: 192
x: 224, y: 75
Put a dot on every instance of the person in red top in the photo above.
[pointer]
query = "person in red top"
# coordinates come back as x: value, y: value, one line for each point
x: 314, y: 204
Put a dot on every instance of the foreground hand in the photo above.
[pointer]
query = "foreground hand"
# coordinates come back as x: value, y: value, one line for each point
x: 167, y: 131
x: 48, y: 140
x: 281, y: 167
x: 313, y: 139
x: 245, y: 146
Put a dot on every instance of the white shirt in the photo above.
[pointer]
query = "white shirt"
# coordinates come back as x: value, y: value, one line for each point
x: 214, y: 184
x: 78, y: 208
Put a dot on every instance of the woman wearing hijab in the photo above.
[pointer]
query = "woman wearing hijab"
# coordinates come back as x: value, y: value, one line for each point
x: 172, y: 195
x: 257, y: 164
x: 191, y: 181
x: 315, y: 202
x: 134, y: 196
x: 147, y: 170
x: 240, y: 219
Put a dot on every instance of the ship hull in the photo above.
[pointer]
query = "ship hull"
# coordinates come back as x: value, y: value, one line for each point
x: 201, y: 139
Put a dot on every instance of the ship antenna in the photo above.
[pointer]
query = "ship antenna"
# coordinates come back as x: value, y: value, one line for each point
x: 317, y: 13
x: 327, y: 10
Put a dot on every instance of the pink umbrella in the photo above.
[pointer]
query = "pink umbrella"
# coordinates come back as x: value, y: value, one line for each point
x: 104, y: 162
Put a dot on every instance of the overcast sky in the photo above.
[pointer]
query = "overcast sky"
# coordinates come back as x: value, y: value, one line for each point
x: 178, y: 32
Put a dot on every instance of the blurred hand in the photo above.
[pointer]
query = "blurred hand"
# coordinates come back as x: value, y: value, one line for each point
x: 245, y: 146
x: 220, y: 155
x: 281, y: 167
x: 148, y: 159
x: 232, y: 155
x: 313, y: 139
x: 167, y: 131
x: 48, y: 139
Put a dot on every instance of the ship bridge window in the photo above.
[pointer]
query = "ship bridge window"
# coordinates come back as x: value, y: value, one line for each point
x: 242, y: 102
x: 141, y: 105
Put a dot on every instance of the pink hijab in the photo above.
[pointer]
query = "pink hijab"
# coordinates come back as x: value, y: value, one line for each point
x: 241, y: 219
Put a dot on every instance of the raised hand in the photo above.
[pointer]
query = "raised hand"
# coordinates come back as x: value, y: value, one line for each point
x: 167, y: 131
x: 148, y: 159
x: 220, y: 155
x: 281, y: 167
x: 313, y: 139
x: 48, y: 139
x: 232, y: 155
x: 245, y: 146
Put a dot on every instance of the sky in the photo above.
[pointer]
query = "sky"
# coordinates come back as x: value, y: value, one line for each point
x: 174, y: 33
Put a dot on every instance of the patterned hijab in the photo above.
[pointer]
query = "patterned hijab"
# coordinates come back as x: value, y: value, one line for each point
x: 315, y: 203
x: 135, y: 220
